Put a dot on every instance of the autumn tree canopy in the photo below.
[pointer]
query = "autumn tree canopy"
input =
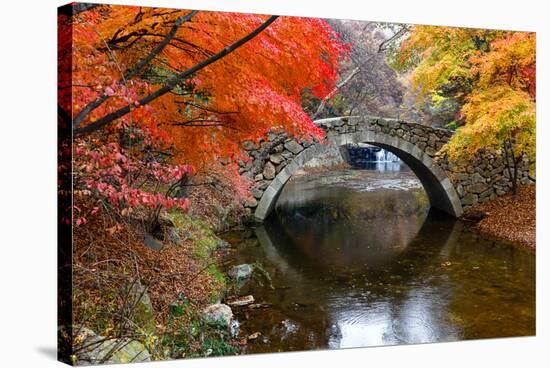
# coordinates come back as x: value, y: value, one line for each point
x: 239, y: 96
x: 180, y: 87
x: 490, y: 74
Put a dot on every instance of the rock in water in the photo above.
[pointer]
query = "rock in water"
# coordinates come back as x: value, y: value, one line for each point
x: 259, y: 306
x: 240, y: 272
x: 218, y: 315
x: 241, y: 301
x: 254, y: 336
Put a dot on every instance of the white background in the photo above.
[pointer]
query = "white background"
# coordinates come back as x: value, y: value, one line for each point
x: 28, y: 181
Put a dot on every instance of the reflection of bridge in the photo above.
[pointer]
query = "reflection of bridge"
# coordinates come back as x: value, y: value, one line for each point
x: 280, y: 243
x: 397, y: 303
x: 450, y: 188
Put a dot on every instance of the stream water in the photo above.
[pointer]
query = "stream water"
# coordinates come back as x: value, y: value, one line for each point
x: 357, y: 258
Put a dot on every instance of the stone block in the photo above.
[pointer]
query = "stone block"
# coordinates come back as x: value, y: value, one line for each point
x: 294, y: 147
x: 469, y: 200
x: 277, y: 184
x: 478, y: 188
x: 276, y: 158
x: 256, y: 193
x: 284, y: 175
x: 269, y: 171
x: 249, y: 145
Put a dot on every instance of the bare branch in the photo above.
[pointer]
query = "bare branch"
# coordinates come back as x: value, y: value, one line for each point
x: 333, y: 92
x: 384, y: 45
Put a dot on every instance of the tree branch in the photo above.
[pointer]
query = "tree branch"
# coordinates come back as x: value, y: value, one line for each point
x: 206, y: 108
x: 201, y: 123
x: 384, y: 45
x: 336, y: 88
x: 173, y: 81
x: 136, y: 69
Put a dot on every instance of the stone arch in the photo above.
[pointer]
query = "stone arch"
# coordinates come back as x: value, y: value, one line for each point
x: 441, y: 192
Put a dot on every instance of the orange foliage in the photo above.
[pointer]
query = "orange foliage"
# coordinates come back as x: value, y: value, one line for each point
x: 511, y: 61
x: 239, y: 97
x: 497, y: 75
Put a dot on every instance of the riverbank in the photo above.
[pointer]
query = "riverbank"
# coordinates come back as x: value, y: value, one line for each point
x: 152, y: 290
x: 155, y: 291
x: 512, y: 218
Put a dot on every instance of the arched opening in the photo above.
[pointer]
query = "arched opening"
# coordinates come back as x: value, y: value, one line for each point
x: 438, y: 195
x: 361, y: 257
x: 440, y: 191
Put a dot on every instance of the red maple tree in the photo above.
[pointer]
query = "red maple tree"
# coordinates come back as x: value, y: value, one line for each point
x: 151, y: 93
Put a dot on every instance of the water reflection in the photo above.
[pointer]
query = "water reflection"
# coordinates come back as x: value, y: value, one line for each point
x: 362, y: 263
x: 380, y: 166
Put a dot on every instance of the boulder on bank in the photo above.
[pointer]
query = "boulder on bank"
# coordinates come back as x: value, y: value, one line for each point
x: 174, y: 236
x: 143, y: 308
x: 240, y: 272
x: 223, y: 244
x: 150, y: 242
x: 96, y: 349
x: 218, y: 315
x: 474, y: 216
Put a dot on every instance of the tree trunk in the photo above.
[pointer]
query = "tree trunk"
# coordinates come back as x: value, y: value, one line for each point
x: 511, y: 165
x: 333, y: 92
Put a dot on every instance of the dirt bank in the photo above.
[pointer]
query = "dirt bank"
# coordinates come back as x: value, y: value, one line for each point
x: 177, y: 271
x: 509, y: 217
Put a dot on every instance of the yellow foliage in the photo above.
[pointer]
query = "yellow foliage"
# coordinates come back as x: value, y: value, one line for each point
x: 444, y: 52
x: 492, y: 116
x: 493, y: 73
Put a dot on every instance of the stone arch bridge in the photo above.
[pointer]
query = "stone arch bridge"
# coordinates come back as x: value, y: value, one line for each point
x: 450, y: 188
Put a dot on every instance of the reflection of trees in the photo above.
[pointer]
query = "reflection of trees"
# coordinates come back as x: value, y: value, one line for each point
x: 337, y: 238
x: 471, y: 286
x: 498, y: 296
x: 340, y: 228
x: 446, y: 284
x: 403, y: 312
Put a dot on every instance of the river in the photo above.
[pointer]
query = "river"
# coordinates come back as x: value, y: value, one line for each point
x: 357, y: 258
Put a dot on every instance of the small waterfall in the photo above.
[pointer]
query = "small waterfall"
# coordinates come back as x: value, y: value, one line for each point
x: 390, y: 157
x: 371, y: 157
x: 385, y: 156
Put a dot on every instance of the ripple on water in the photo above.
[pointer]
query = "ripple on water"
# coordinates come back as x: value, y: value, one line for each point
x: 355, y: 262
